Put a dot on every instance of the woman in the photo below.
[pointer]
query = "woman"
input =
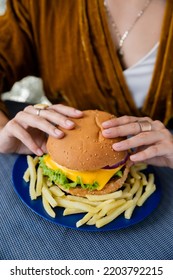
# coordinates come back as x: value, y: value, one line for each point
x: 111, y: 55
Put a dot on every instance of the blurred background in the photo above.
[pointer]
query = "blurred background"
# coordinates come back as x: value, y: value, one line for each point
x: 2, y: 6
x: 27, y: 91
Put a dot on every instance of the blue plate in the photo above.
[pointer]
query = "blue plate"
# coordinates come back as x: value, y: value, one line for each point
x: 22, y: 190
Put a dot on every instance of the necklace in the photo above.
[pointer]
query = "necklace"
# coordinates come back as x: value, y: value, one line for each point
x: 123, y: 37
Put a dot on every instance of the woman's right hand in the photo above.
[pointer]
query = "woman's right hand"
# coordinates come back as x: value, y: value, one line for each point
x: 27, y: 132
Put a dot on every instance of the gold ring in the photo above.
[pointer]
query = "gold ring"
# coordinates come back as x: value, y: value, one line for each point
x: 38, y: 112
x: 144, y: 126
x: 40, y: 107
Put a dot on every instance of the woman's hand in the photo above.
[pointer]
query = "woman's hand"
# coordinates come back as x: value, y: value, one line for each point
x: 153, y: 147
x: 27, y: 131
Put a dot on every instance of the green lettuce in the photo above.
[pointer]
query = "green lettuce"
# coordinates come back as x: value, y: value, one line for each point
x: 119, y: 173
x: 59, y: 178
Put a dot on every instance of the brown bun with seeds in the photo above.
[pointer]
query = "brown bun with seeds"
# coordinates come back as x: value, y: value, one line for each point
x: 84, y: 151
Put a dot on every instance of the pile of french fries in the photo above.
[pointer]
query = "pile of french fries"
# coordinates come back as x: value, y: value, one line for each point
x: 98, y: 210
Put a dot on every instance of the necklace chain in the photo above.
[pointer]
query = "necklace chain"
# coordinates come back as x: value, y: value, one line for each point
x: 123, y: 37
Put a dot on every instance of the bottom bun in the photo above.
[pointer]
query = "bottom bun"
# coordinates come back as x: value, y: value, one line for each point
x: 112, y: 186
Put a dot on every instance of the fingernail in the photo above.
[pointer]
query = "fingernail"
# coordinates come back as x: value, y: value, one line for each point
x: 107, y: 131
x: 106, y: 124
x: 133, y: 157
x: 117, y: 146
x: 69, y: 123
x: 39, y: 152
x: 59, y: 133
x: 78, y: 112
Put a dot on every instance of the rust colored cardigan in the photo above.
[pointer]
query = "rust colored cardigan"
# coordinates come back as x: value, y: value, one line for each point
x: 67, y: 43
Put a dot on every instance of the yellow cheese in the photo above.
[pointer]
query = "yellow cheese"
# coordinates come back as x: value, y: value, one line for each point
x: 101, y: 176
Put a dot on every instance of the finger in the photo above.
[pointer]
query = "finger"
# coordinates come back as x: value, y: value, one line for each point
x: 52, y: 115
x: 141, y: 139
x: 57, y: 119
x: 122, y: 130
x: 66, y: 110
x: 123, y: 120
x: 16, y: 130
x: 151, y: 152
x: 132, y: 128
x: 159, y: 161
x: 28, y: 120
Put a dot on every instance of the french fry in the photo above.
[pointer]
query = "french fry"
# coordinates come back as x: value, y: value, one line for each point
x: 134, y: 173
x: 135, y: 187
x: 150, y: 181
x: 49, y: 183
x: 116, y: 194
x: 105, y: 210
x: 143, y: 178
x: 26, y: 175
x: 47, y: 207
x: 82, y: 199
x: 84, y: 220
x: 39, y: 183
x: 128, y: 213
x: 103, y: 204
x: 111, y: 206
x: 70, y: 211
x: 126, y: 195
x: 75, y: 204
x: 126, y: 192
x: 149, y: 189
x: 55, y: 190
x: 140, y: 166
x: 47, y: 193
x: 93, y: 219
x: 118, y: 211
x: 146, y: 195
x: 96, y: 216
x: 32, y: 181
x: 127, y: 187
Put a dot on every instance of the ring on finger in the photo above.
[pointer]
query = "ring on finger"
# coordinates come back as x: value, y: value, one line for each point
x: 40, y: 107
x: 144, y: 126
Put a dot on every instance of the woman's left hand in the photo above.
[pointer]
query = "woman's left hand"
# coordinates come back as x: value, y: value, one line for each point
x: 153, y: 143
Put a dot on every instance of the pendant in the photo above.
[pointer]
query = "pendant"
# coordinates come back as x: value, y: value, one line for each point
x: 120, y: 52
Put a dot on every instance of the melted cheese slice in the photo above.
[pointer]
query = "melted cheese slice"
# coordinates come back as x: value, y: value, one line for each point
x: 101, y: 176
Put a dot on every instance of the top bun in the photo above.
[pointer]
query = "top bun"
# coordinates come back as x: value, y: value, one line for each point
x: 84, y: 148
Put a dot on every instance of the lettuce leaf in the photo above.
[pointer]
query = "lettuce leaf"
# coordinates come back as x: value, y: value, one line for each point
x: 119, y: 173
x: 59, y: 178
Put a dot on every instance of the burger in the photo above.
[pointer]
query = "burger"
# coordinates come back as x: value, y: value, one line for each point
x: 83, y: 162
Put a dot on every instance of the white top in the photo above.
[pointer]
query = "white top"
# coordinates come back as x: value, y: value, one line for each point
x: 138, y: 77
